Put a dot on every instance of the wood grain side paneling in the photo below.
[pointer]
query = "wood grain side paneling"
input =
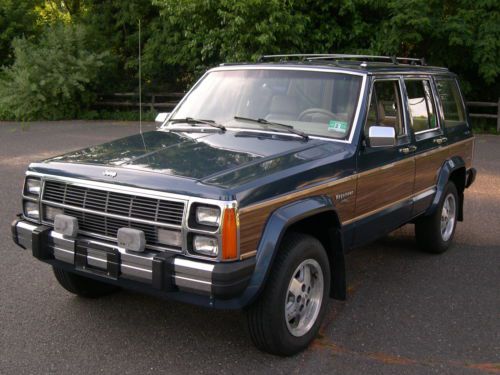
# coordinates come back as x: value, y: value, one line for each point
x: 427, y: 166
x: 373, y: 190
x: 463, y: 149
x: 384, y: 185
x: 253, y: 218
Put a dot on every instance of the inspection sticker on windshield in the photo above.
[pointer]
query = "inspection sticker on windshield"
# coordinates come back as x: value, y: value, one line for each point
x: 337, y: 126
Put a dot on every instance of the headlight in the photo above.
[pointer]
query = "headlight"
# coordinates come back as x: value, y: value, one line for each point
x: 208, y: 215
x: 49, y: 213
x: 204, y: 245
x: 32, y: 187
x: 31, y: 210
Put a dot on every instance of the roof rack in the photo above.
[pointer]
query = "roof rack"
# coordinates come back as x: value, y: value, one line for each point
x: 328, y: 56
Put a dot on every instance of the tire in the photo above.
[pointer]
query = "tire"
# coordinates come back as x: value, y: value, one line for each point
x: 270, y: 331
x: 82, y: 286
x: 434, y: 233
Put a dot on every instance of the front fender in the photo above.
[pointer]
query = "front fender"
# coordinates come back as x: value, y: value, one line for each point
x: 276, y: 226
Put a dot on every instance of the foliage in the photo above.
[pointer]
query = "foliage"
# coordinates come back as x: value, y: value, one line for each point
x: 16, y: 18
x: 195, y: 34
x: 51, y: 78
x: 114, y: 24
x: 182, y: 38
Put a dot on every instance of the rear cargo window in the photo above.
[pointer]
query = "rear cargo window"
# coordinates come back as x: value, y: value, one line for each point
x: 451, y: 101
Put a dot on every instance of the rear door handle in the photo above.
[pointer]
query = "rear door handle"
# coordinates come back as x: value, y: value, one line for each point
x: 407, y: 150
x: 441, y: 140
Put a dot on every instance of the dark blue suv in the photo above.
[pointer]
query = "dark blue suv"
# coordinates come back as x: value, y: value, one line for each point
x: 252, y: 190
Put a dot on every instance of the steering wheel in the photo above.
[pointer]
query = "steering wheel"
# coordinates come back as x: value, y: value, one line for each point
x: 310, y: 111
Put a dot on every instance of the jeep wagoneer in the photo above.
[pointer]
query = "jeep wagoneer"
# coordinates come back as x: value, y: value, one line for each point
x: 251, y: 191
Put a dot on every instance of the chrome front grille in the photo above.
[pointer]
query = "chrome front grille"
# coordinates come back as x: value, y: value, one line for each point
x: 113, y: 210
x: 107, y: 226
x: 151, y: 209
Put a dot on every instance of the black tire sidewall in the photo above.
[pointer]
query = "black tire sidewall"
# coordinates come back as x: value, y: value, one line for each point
x: 428, y: 228
x: 305, y: 248
x: 450, y: 189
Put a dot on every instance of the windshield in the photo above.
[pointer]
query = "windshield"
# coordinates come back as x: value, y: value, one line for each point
x: 316, y: 103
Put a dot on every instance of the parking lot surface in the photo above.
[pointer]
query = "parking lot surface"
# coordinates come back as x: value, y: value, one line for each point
x: 406, y: 313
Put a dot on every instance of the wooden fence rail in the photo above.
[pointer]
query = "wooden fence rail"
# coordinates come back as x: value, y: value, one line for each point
x: 160, y: 101
x: 167, y: 101
x: 486, y: 115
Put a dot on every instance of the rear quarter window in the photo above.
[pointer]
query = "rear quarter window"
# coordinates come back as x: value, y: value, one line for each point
x: 451, y: 102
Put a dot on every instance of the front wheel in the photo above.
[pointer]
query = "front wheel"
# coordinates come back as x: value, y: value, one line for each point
x: 287, y: 316
x: 435, y: 233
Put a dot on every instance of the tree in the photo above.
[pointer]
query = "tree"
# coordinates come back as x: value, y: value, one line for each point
x: 17, y: 18
x: 51, y: 78
x: 196, y: 34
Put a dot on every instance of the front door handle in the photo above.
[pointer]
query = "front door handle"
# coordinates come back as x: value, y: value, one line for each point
x: 441, y: 140
x: 407, y: 150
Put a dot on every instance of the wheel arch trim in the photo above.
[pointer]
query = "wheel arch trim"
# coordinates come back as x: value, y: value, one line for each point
x: 274, y: 230
x: 450, y: 166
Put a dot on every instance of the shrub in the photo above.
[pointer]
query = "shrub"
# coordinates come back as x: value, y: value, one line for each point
x: 51, y: 78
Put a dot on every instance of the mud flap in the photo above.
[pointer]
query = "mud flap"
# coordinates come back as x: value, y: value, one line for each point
x: 338, y: 288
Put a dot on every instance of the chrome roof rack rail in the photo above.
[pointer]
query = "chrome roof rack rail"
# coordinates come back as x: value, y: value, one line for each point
x: 340, y: 57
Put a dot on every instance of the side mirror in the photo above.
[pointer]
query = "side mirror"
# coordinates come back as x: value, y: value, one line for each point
x: 161, y: 117
x: 382, y: 136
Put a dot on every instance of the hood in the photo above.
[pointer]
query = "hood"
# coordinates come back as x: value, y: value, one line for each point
x: 201, y: 164
x: 192, y: 155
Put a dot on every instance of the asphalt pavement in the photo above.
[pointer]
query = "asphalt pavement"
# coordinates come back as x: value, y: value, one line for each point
x: 406, y: 313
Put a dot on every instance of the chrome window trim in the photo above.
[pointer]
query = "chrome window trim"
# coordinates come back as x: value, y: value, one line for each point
x: 399, y: 79
x: 355, y: 125
x: 462, y: 99
x: 428, y: 78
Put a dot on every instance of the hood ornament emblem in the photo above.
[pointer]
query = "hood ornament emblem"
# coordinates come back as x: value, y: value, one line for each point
x: 107, y: 173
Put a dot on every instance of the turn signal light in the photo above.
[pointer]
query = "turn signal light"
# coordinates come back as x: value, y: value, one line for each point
x: 229, y: 234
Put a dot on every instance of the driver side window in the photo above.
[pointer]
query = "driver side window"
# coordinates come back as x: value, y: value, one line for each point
x: 385, y: 106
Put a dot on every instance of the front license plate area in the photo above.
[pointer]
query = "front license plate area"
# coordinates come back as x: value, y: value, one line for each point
x: 96, y: 259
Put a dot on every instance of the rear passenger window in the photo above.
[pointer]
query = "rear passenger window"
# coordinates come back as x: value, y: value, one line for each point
x: 422, y: 111
x: 451, y: 101
x: 385, y: 106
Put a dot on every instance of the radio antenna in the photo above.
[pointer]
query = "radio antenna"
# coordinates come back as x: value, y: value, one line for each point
x: 140, y: 81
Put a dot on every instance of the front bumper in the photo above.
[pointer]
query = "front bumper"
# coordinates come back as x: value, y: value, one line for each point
x: 163, y: 274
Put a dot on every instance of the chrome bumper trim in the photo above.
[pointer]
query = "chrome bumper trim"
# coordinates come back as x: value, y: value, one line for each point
x: 188, y: 275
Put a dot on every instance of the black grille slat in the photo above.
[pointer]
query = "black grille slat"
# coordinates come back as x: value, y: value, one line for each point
x: 127, y: 205
x: 150, y: 209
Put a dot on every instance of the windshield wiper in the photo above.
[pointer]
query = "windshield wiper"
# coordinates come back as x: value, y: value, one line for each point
x: 190, y: 120
x: 263, y: 121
